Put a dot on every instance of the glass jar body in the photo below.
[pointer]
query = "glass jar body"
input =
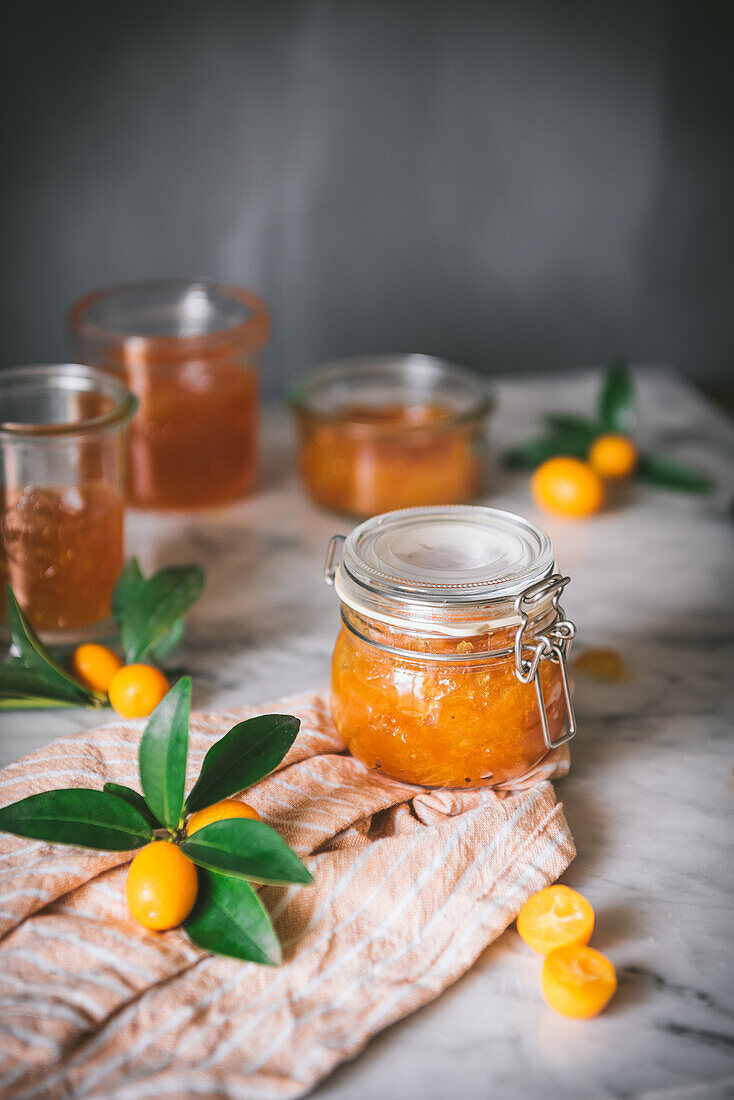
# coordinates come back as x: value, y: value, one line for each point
x: 194, y: 441
x: 439, y: 722
x: 63, y: 445
x: 364, y: 469
x: 389, y: 432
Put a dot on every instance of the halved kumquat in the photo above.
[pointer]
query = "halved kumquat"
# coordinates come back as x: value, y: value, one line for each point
x: 578, y: 981
x: 555, y: 917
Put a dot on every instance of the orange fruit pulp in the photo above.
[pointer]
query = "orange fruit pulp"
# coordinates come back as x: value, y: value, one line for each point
x: 555, y: 917
x: 578, y: 981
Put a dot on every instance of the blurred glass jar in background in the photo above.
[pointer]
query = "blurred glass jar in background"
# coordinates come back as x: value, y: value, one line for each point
x: 189, y: 350
x: 63, y: 435
x: 389, y: 432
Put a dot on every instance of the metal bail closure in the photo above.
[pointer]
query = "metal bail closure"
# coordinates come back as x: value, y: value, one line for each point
x: 554, y: 645
x: 331, y: 564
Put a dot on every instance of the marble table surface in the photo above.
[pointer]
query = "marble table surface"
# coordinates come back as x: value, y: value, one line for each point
x: 649, y: 798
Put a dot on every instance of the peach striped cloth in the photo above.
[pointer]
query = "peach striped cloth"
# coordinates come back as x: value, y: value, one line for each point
x: 410, y: 886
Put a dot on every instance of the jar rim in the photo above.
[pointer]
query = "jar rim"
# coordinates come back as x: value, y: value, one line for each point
x: 457, y: 568
x: 147, y: 346
x: 72, y: 377
x: 419, y: 373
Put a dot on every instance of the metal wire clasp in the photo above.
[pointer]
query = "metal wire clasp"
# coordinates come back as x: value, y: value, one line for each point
x: 554, y: 645
x: 331, y: 565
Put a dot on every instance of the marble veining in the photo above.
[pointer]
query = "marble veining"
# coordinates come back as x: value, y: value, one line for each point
x: 649, y: 798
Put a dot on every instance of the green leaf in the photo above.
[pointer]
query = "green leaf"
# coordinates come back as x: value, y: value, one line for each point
x: 36, y: 657
x: 90, y: 819
x: 248, y: 752
x: 16, y: 679
x: 127, y: 794
x: 617, y: 399
x: 663, y: 472
x: 35, y: 702
x: 128, y: 584
x: 156, y: 606
x: 168, y: 642
x: 248, y: 849
x: 162, y: 754
x: 528, y: 455
x: 229, y: 919
x: 582, y: 427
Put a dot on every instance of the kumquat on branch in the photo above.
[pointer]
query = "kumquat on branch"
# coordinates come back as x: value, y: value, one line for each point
x: 578, y: 456
x: 149, y: 613
x: 197, y: 855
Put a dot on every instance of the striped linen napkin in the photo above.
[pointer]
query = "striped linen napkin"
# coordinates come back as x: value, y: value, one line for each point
x: 411, y: 885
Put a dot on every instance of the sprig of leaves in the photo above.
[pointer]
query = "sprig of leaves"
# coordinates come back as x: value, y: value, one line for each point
x: 149, y: 613
x: 34, y: 678
x: 228, y: 917
x: 570, y: 434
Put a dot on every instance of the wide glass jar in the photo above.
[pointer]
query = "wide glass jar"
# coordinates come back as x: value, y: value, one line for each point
x: 450, y: 667
x: 190, y: 353
x: 390, y: 432
x: 62, y: 459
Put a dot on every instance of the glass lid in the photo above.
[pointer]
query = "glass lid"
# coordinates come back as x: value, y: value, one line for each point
x: 435, y: 564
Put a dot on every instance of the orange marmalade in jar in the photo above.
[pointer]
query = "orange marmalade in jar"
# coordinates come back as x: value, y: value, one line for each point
x: 390, y: 432
x: 190, y: 353
x: 450, y: 667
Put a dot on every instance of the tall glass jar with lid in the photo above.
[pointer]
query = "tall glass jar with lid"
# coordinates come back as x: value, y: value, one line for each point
x: 450, y: 667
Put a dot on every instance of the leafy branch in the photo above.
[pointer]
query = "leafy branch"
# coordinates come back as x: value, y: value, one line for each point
x: 228, y: 917
x: 149, y: 613
x: 571, y: 434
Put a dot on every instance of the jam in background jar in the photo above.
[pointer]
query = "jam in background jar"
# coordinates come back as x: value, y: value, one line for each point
x: 190, y: 352
x: 390, y: 432
x: 62, y: 447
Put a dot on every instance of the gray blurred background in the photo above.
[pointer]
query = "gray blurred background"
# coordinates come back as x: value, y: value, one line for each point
x: 518, y: 185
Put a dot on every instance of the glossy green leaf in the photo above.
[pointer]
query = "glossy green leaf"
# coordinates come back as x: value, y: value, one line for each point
x: 16, y: 679
x: 36, y: 657
x: 528, y: 455
x: 35, y: 702
x: 89, y: 819
x: 617, y: 399
x: 156, y: 606
x: 229, y: 919
x: 663, y: 472
x: 128, y: 584
x: 127, y: 794
x: 248, y: 752
x: 169, y: 641
x: 249, y: 849
x: 162, y: 754
x: 582, y: 427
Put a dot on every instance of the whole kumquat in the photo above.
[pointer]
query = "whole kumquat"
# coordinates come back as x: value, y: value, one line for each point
x: 613, y: 456
x: 161, y: 886
x: 136, y: 690
x: 94, y: 665
x: 567, y: 486
x: 220, y: 811
x: 578, y: 981
x: 555, y: 917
